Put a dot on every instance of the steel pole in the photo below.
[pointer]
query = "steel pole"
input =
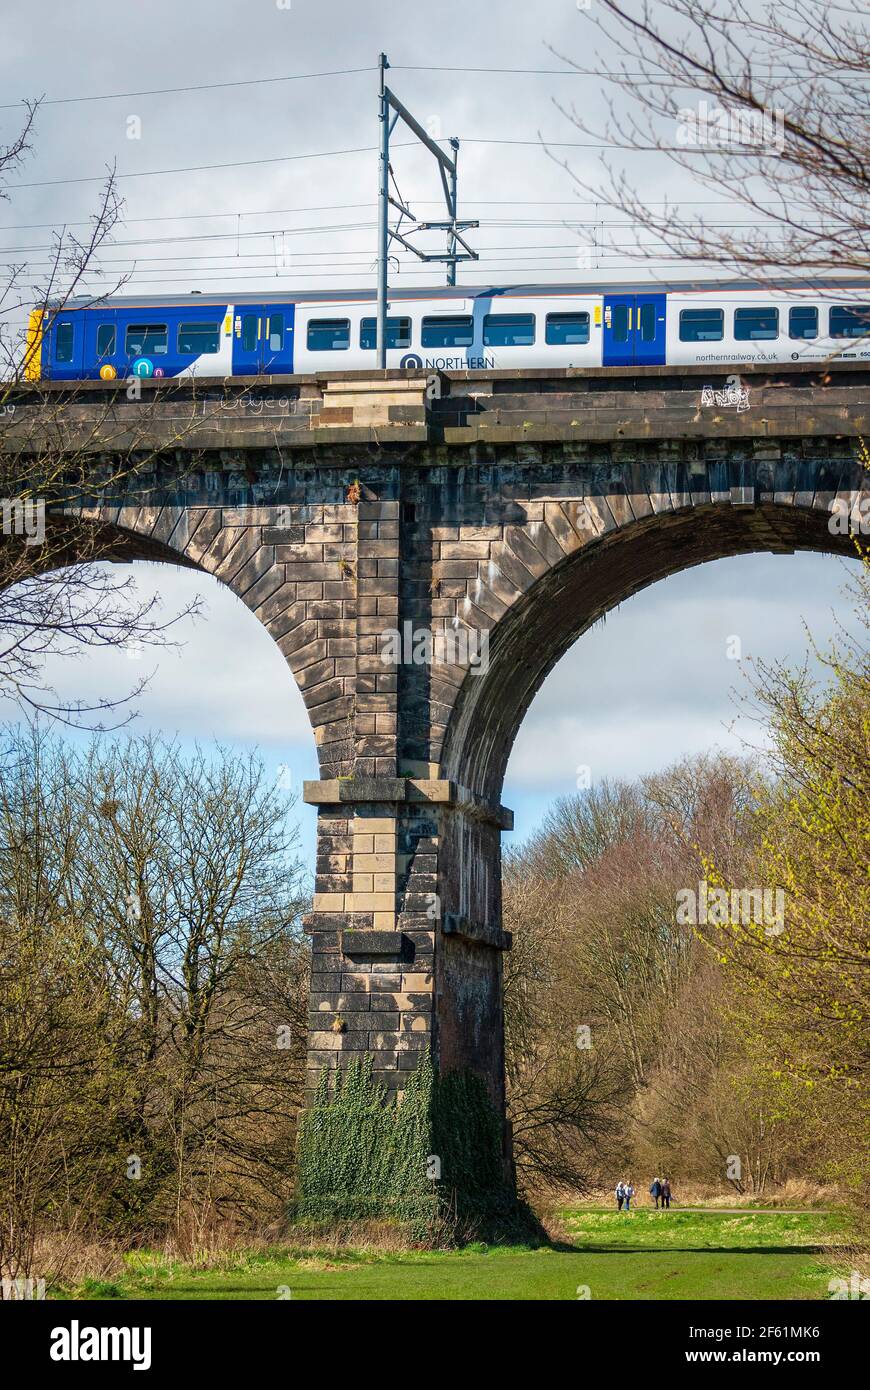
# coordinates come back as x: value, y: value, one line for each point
x: 451, y: 248
x: 383, y: 212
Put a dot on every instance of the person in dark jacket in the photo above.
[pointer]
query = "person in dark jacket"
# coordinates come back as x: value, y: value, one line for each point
x: 656, y: 1191
x: 666, y: 1192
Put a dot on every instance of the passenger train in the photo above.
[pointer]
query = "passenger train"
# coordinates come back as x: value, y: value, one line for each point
x: 715, y: 323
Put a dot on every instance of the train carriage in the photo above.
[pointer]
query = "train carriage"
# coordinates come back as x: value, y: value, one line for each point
x: 720, y: 323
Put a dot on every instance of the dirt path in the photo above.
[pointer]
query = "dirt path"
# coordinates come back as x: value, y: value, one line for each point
x: 748, y: 1211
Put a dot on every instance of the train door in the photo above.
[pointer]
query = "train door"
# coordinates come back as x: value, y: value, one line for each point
x: 649, y: 329
x: 278, y: 339
x: 66, y: 347
x: 262, y: 339
x: 101, y: 342
x: 618, y: 330
x: 247, y: 339
x: 634, y: 329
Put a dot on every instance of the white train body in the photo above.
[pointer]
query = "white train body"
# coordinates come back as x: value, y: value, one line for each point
x: 719, y: 324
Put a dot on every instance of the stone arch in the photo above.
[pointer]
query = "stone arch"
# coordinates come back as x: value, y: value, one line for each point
x: 250, y: 549
x: 556, y: 575
x: 540, y: 580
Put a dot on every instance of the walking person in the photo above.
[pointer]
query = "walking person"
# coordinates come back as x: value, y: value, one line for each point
x: 620, y: 1194
x: 628, y: 1192
x: 666, y: 1192
x: 656, y: 1191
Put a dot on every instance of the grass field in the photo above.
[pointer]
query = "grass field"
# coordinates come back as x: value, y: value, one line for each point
x: 674, y: 1255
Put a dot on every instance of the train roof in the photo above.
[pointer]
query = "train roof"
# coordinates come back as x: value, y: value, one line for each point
x: 448, y: 292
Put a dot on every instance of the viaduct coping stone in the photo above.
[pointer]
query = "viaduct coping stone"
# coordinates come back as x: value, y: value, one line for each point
x: 415, y: 790
x: 337, y: 412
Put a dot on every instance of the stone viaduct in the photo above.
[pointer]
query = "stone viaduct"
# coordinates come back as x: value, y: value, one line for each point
x: 505, y: 511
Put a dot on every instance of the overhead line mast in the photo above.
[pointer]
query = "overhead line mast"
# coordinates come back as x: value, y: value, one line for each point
x: 391, y: 110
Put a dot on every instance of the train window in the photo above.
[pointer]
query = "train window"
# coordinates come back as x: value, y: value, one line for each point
x: 250, y: 332
x: 63, y: 343
x: 619, y: 323
x: 850, y: 321
x: 567, y: 329
x: 199, y: 337
x: 444, y: 331
x: 398, y: 333
x: 753, y: 324
x: 105, y: 340
x: 276, y: 332
x: 646, y: 322
x: 509, y: 330
x: 701, y: 325
x: 146, y: 339
x: 328, y: 335
x: 803, y: 322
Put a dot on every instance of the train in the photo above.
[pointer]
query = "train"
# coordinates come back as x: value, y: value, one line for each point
x: 716, y: 323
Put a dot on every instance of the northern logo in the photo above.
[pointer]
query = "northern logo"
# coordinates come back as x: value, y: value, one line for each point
x: 412, y: 360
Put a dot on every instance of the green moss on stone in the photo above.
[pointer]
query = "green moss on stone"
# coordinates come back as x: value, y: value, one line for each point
x: 365, y: 1155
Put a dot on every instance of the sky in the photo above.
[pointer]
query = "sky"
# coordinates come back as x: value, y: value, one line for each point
x: 652, y: 682
x: 263, y: 212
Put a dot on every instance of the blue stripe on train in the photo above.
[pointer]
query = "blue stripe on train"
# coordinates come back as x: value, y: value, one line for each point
x: 81, y: 341
x: 251, y: 340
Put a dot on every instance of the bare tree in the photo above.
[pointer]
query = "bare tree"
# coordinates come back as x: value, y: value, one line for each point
x: 59, y: 463
x: 620, y: 1043
x: 58, y: 1102
x: 765, y: 106
x: 153, y: 996
x: 188, y: 865
x: 565, y: 1099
